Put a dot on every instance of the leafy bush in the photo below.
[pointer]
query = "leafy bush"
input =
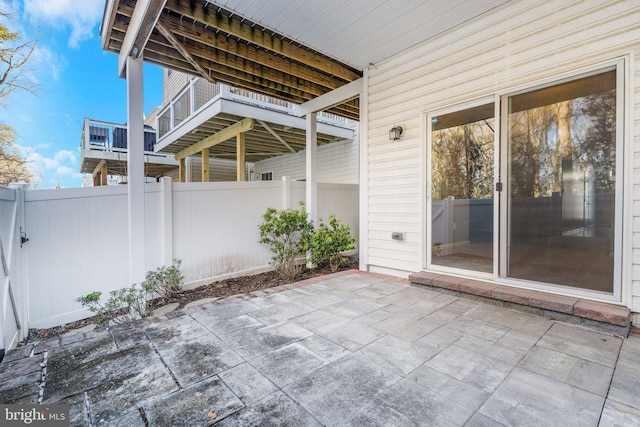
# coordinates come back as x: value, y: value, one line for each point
x: 287, y: 233
x: 165, y: 281
x: 328, y: 241
x: 123, y: 305
x: 127, y: 304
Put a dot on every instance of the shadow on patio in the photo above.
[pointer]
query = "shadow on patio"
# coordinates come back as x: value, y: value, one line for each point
x: 350, y: 348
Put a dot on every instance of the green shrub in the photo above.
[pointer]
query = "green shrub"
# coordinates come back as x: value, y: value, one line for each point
x: 165, y: 281
x: 127, y: 304
x: 328, y: 241
x: 287, y: 233
x: 123, y: 305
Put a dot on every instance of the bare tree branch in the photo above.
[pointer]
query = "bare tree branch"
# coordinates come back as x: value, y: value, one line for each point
x: 14, y: 56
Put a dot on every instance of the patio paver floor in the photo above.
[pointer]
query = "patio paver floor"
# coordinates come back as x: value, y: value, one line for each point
x: 352, y: 348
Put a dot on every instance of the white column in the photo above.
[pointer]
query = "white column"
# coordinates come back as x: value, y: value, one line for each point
x: 135, y: 167
x: 312, y: 185
x: 363, y: 172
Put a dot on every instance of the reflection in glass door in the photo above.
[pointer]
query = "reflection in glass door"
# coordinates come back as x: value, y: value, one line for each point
x: 561, y: 144
x: 462, y: 163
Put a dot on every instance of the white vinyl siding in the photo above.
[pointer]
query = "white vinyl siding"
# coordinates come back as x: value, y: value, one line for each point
x: 219, y: 169
x: 514, y: 46
x: 172, y: 85
x: 336, y: 163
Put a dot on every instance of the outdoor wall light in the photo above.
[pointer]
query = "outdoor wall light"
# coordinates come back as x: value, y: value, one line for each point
x: 395, y: 132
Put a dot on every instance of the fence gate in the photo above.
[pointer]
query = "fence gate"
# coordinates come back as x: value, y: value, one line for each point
x: 12, y: 283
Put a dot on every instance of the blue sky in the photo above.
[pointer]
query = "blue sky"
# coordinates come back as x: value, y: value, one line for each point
x: 76, y: 78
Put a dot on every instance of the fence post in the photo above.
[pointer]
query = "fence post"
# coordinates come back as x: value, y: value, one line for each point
x: 166, y: 223
x: 286, y: 192
x: 448, y: 225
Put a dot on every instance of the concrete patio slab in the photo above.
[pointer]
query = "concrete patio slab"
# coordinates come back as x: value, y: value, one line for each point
x: 199, y: 405
x: 275, y: 410
x: 483, y: 372
x: 580, y: 373
x: 250, y: 343
x: 583, y: 343
x: 460, y: 392
x: 529, y: 399
x: 324, y: 348
x: 334, y: 393
x: 191, y: 361
x: 247, y: 383
x: 349, y: 349
x: 288, y: 364
x: 407, y: 403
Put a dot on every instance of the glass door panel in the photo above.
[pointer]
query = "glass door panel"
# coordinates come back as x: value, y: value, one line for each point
x: 561, y: 147
x: 462, y: 163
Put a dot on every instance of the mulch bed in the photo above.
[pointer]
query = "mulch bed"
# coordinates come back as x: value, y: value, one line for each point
x: 222, y: 289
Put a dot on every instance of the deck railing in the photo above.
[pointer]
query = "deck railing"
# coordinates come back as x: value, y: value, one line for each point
x: 199, y: 93
x: 105, y: 136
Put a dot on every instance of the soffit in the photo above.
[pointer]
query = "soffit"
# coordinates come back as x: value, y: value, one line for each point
x: 360, y: 32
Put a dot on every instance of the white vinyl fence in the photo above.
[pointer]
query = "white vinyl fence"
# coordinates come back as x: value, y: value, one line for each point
x: 78, y: 238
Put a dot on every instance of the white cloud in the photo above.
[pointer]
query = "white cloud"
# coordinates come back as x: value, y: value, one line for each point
x: 65, y: 170
x: 49, y: 170
x: 81, y: 16
x: 44, y: 58
x: 58, y: 159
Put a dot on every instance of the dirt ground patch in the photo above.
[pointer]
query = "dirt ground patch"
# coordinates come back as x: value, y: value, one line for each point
x: 221, y: 289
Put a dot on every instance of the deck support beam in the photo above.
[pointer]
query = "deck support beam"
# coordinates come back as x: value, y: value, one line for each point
x: 218, y: 137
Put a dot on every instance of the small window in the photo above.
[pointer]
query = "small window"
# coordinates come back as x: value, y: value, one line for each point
x: 169, y: 72
x: 268, y: 176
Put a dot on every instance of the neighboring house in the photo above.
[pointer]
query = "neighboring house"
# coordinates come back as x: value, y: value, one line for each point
x: 499, y: 139
x: 194, y: 109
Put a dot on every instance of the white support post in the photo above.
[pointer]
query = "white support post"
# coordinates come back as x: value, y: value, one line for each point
x: 312, y: 184
x: 135, y: 179
x: 286, y: 192
x: 167, y: 220
x: 363, y: 174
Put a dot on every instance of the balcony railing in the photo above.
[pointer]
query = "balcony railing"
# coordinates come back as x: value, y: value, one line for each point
x: 199, y: 93
x: 105, y: 136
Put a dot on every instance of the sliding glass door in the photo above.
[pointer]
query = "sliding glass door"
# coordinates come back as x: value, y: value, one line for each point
x: 561, y: 189
x: 551, y: 178
x: 462, y: 179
